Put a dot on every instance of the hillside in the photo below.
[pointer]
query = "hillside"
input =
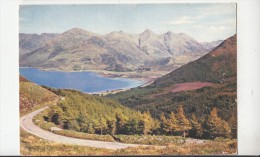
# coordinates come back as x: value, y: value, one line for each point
x: 77, y: 49
x: 217, y: 66
x: 198, y: 86
x: 32, y: 96
x: 31, y: 42
x: 88, y: 113
x: 73, y: 109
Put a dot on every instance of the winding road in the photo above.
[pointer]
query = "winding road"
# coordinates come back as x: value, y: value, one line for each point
x: 26, y: 123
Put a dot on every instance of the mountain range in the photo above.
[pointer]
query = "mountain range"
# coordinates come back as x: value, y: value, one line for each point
x: 78, y: 49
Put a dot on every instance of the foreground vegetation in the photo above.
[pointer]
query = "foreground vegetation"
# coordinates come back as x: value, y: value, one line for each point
x: 151, y: 139
x: 32, y: 145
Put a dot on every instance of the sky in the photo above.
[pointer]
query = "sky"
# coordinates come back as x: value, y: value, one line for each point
x: 203, y: 22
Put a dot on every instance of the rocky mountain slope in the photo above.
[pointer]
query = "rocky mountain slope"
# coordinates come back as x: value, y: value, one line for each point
x: 30, y: 42
x: 211, y: 45
x: 77, y: 49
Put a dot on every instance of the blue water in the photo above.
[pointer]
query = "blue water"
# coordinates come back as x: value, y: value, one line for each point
x: 83, y: 81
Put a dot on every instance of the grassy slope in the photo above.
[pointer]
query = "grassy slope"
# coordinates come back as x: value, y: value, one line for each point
x: 32, y: 145
x: 150, y: 139
x: 33, y: 96
x: 219, y: 66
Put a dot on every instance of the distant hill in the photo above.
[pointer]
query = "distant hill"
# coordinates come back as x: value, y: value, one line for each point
x: 211, y: 45
x: 207, y: 82
x: 77, y: 49
x: 31, y: 42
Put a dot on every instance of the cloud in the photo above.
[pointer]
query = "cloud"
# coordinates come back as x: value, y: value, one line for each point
x: 181, y: 20
x: 212, y: 27
x: 218, y: 28
x: 185, y: 20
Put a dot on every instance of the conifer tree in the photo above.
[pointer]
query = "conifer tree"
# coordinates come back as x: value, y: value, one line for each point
x: 214, y: 123
x: 111, y: 124
x: 146, y: 123
x: 217, y: 126
x: 172, y: 124
x: 164, y: 124
x: 82, y: 120
x: 132, y: 126
x: 183, y: 123
x: 120, y: 122
x: 91, y: 129
x: 56, y: 114
x: 156, y: 129
x: 102, y: 125
x: 196, y: 126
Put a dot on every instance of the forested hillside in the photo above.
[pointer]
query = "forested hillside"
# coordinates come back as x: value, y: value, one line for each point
x: 87, y: 113
x: 218, y: 68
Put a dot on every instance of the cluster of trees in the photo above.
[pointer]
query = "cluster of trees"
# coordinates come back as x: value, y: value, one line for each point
x: 176, y: 123
x: 211, y: 127
x: 142, y: 123
x: 196, y: 104
x: 216, y: 126
x: 100, y: 115
x: 119, y: 123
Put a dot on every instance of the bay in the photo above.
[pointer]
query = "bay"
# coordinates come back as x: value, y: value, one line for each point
x: 84, y: 81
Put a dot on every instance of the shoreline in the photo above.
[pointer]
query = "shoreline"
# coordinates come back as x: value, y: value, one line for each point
x: 113, y: 74
x: 146, y: 78
x: 104, y: 93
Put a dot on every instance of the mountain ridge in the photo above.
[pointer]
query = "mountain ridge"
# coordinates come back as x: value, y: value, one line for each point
x: 78, y: 49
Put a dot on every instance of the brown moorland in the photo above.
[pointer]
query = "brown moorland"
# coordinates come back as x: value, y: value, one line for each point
x: 190, y: 86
